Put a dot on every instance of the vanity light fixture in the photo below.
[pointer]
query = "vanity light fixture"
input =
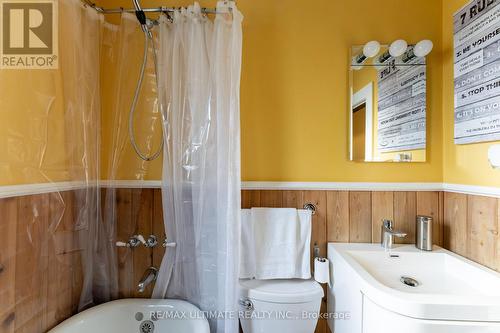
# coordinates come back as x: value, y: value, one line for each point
x: 421, y: 49
x: 370, y: 50
x: 397, y: 49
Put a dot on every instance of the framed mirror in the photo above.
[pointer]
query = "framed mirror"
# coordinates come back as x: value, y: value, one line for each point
x: 388, y: 106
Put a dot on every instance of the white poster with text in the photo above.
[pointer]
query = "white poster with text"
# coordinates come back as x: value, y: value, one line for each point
x: 477, y: 72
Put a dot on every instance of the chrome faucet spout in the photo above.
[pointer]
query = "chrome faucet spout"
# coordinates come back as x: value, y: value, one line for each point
x: 387, y: 234
x: 149, y: 276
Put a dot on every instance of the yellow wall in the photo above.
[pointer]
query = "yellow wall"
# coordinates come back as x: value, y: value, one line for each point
x: 294, y: 95
x: 294, y: 87
x: 35, y: 145
x: 31, y: 127
x: 294, y: 98
x: 463, y: 164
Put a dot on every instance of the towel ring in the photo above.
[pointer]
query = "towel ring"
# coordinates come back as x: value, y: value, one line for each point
x: 311, y: 207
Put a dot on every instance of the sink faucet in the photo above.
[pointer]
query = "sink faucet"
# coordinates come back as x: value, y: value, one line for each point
x: 388, y: 234
x: 149, y: 276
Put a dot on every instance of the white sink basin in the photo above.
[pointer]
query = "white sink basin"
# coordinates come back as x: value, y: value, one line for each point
x: 438, y: 272
x: 450, y: 287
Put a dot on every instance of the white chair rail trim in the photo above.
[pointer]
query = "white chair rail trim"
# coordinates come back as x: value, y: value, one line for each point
x: 30, y: 189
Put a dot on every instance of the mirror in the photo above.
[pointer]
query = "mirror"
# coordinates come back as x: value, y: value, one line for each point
x: 388, y: 107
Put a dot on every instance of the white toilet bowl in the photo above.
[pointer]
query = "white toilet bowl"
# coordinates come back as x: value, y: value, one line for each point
x: 290, y: 306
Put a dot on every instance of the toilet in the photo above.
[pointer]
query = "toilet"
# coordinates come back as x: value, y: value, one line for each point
x: 284, y: 305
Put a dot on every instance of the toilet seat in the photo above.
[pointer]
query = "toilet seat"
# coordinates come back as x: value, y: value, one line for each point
x: 281, y: 291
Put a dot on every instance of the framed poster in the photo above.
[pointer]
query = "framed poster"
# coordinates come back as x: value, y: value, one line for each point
x: 477, y: 72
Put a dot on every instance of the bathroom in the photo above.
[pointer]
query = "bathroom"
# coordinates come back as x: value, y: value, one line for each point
x: 108, y: 222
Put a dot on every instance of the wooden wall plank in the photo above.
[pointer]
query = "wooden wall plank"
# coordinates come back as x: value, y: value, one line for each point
x: 382, y: 208
x: 8, y: 232
x: 293, y: 199
x: 360, y: 217
x: 158, y: 228
x: 271, y: 198
x: 318, y: 198
x: 125, y: 229
x: 405, y: 212
x: 337, y: 216
x: 142, y: 215
x: 70, y: 216
x: 482, y: 225
x: 60, y: 293
x: 250, y: 198
x: 32, y: 263
x: 441, y: 215
x: 428, y: 204
x: 455, y: 223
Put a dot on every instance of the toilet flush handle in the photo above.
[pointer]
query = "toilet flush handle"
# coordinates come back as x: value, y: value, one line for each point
x: 246, y: 304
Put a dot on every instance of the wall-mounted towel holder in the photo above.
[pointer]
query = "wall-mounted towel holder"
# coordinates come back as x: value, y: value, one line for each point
x: 311, y: 207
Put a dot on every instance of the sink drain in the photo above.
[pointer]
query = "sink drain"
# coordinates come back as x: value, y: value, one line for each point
x: 147, y: 326
x: 409, y: 281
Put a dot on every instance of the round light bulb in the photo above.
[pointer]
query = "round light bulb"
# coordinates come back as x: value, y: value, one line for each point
x: 371, y: 49
x: 398, y: 48
x: 423, y: 48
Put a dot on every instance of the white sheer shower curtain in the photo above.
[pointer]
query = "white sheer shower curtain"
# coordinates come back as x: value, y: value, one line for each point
x: 199, y: 78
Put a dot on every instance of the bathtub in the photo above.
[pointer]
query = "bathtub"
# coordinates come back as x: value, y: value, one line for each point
x: 137, y: 315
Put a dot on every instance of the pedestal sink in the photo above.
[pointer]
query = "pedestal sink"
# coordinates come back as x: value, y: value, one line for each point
x: 411, y: 291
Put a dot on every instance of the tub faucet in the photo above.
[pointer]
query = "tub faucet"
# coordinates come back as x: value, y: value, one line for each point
x: 388, y: 234
x: 149, y: 276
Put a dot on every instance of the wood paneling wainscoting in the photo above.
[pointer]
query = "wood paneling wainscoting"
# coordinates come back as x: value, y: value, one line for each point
x: 471, y: 227
x: 40, y: 265
x: 354, y: 216
x: 139, y: 211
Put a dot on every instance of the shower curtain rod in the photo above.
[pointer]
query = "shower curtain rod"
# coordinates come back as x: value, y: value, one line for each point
x: 161, y: 9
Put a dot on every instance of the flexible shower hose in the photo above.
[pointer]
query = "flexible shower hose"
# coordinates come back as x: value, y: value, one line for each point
x: 147, y: 37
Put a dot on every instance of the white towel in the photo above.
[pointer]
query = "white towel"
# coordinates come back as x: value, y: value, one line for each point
x: 275, y: 243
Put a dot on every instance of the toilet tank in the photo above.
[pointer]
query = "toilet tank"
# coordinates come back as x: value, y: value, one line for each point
x: 290, y: 306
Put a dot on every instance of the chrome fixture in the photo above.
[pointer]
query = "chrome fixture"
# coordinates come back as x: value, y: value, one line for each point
x: 387, y: 234
x: 423, y: 234
x: 396, y: 49
x: 316, y: 250
x: 168, y: 244
x: 420, y: 50
x: 160, y: 9
x: 152, y: 241
x: 149, y: 276
x: 147, y: 326
x: 246, y: 304
x: 146, y: 26
x: 311, y: 207
x: 133, y: 241
x: 409, y: 281
x: 370, y: 50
